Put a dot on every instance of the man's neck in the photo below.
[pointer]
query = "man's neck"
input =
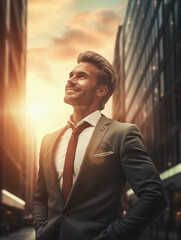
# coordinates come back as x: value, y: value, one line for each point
x: 80, y: 113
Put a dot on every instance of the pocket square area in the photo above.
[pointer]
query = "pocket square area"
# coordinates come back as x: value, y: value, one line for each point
x: 103, y: 154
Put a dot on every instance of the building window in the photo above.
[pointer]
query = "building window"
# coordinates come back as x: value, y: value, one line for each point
x: 161, y: 49
x: 144, y: 112
x: 170, y: 69
x: 155, y: 95
x: 162, y: 85
x: 178, y: 57
x: 178, y: 102
x: 170, y: 110
x: 179, y: 146
x: 160, y: 15
x: 177, y: 13
x: 8, y: 15
x: 172, y: 25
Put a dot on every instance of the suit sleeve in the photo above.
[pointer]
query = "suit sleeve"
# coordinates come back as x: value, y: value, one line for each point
x: 144, y: 179
x: 40, y: 207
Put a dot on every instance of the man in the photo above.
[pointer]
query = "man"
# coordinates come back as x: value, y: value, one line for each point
x: 82, y: 177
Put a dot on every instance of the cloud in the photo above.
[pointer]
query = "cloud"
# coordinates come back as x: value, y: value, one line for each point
x: 122, y: 5
x: 86, y: 30
x: 94, y: 31
x: 69, y: 46
x: 37, y: 60
x: 102, y: 21
x: 42, y: 4
x: 43, y: 16
x: 95, y: 19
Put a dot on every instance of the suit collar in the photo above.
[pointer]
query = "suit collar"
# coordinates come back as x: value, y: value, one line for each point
x: 92, y: 118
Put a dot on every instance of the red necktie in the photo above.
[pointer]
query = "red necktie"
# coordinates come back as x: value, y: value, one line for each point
x: 69, y: 160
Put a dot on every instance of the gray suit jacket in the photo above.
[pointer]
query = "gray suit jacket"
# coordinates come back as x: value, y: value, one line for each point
x: 115, y: 154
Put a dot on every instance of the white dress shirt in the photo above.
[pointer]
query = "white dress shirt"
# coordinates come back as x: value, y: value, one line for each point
x: 82, y: 144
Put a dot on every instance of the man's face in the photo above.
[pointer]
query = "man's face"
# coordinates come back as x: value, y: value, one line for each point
x: 82, y: 85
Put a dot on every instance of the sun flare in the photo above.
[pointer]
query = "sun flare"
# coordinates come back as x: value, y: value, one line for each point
x: 36, y: 111
x: 45, y: 110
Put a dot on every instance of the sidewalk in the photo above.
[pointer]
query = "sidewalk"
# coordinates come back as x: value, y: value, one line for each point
x: 172, y: 235
x: 29, y: 234
x: 24, y: 234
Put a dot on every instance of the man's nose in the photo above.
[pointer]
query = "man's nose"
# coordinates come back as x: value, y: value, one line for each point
x: 72, y: 80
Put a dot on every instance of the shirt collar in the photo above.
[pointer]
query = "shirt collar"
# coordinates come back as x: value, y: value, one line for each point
x: 92, y: 118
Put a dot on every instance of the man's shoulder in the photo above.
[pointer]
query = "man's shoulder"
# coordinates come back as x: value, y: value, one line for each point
x: 120, y: 125
x: 49, y: 137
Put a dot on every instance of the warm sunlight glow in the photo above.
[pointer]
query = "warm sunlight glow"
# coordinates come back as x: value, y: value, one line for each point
x: 36, y: 111
x: 45, y: 109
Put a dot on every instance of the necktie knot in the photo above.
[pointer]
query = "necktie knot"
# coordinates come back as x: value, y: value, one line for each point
x: 79, y: 129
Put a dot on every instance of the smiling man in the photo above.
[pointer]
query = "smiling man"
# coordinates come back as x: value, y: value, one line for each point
x: 84, y: 167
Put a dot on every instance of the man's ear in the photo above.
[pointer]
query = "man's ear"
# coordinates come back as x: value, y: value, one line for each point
x: 102, y: 90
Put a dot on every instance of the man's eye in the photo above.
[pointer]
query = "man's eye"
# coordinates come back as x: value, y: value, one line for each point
x: 81, y: 76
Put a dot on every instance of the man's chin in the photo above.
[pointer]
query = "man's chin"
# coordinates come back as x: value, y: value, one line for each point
x: 69, y: 100
x: 73, y: 101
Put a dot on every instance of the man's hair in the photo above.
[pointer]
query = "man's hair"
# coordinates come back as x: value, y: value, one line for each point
x: 107, y: 74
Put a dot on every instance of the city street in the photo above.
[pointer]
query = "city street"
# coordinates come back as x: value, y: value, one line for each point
x: 160, y: 235
x: 23, y: 234
x: 28, y: 234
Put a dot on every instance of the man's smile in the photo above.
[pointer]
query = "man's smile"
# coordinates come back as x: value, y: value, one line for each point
x: 73, y: 89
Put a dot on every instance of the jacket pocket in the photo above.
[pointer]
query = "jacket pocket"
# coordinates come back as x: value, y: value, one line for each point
x: 103, y: 154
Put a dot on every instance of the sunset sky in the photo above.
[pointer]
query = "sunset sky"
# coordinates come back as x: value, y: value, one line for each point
x: 58, y: 30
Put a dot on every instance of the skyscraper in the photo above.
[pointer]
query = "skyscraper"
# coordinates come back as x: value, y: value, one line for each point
x: 150, y: 63
x: 13, y: 136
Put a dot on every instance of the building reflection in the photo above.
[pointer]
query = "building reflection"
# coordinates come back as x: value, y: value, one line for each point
x: 17, y: 146
x: 148, y: 64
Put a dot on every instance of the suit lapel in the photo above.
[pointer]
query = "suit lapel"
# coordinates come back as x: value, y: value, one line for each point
x: 97, y: 136
x: 49, y: 158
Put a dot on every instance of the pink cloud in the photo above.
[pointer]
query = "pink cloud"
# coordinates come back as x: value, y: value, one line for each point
x: 102, y: 19
x: 38, y: 62
x: 122, y: 5
x: 86, y: 30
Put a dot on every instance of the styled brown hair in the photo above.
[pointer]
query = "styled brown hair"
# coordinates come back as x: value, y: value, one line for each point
x: 107, y: 74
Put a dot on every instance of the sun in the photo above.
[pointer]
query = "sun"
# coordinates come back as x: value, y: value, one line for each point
x: 45, y: 110
x: 36, y: 111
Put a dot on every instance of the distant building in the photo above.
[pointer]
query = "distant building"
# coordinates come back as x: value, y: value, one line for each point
x: 150, y: 79
x: 118, y: 110
x: 31, y: 169
x: 14, y: 151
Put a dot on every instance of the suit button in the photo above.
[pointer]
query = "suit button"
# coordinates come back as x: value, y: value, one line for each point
x: 64, y: 215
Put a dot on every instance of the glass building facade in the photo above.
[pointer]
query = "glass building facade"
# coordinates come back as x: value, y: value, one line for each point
x: 150, y: 73
x: 17, y: 150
